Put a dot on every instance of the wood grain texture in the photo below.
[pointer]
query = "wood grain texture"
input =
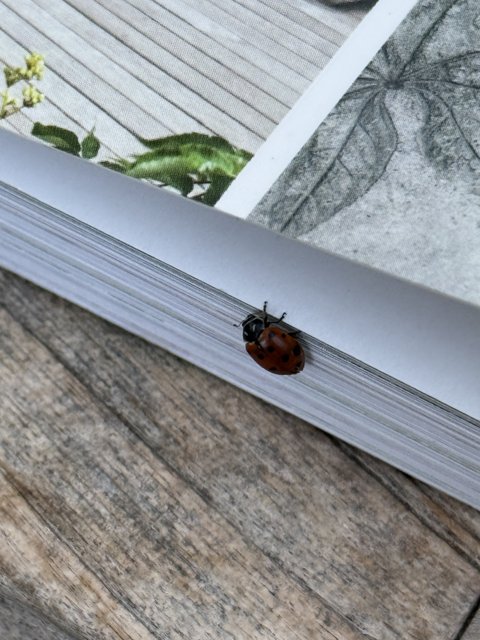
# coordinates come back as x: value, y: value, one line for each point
x: 143, y: 498
x: 18, y: 621
x: 472, y: 632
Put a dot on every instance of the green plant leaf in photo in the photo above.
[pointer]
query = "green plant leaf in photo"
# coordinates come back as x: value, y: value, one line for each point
x: 59, y: 138
x: 186, y: 160
x: 195, y: 164
x: 90, y: 146
x: 118, y: 165
x: 216, y: 189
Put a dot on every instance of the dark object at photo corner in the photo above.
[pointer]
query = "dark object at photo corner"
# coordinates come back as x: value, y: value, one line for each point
x: 335, y: 3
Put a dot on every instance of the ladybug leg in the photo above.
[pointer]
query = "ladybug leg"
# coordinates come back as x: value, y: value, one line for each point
x: 268, y: 321
x: 295, y: 333
x: 278, y: 320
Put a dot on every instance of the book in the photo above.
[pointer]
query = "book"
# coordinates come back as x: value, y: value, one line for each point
x: 199, y: 158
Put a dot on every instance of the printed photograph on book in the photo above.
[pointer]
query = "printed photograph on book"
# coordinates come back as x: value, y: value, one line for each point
x: 179, y: 93
x: 391, y: 177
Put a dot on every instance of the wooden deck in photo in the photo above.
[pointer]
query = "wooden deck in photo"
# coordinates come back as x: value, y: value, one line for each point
x: 155, y: 67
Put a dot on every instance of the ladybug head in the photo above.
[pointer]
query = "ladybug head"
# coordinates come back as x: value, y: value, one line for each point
x: 252, y: 327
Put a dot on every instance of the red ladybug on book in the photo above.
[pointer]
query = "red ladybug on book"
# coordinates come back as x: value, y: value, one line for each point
x: 270, y: 345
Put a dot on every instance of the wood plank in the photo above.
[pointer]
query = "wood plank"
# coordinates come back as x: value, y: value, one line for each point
x: 99, y: 79
x: 456, y: 523
x: 18, y: 621
x: 245, y: 25
x: 207, y: 93
x: 104, y: 536
x: 300, y: 503
x: 213, y: 40
x: 34, y: 561
x: 472, y: 632
x: 219, y: 36
x: 331, y: 24
x: 20, y: 124
x: 288, y: 22
x: 280, y: 30
x: 203, y: 70
x: 466, y: 516
x: 141, y: 109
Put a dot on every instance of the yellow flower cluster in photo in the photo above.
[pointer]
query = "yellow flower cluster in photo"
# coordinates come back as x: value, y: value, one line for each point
x: 33, y: 70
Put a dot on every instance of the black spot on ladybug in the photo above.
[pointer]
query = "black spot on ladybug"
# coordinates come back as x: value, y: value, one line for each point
x: 297, y: 350
x: 285, y: 358
x: 284, y: 335
x: 270, y: 349
x: 260, y: 356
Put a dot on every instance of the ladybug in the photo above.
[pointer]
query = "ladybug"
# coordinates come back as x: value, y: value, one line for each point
x: 270, y: 345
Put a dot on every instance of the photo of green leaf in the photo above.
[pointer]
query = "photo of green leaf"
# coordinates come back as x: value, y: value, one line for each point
x: 196, y: 165
x: 59, y: 138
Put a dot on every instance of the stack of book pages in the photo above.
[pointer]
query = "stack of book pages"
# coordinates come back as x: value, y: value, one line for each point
x: 182, y: 161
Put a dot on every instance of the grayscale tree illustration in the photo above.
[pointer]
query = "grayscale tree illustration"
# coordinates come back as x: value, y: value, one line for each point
x: 353, y: 147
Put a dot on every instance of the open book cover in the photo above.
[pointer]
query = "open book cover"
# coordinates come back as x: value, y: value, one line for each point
x: 181, y: 161
x: 183, y: 95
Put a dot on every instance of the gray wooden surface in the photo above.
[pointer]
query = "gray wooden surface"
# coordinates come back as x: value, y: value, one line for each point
x: 142, y: 498
x: 156, y: 67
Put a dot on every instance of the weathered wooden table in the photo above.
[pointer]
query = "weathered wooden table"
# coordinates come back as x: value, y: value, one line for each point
x: 143, y: 498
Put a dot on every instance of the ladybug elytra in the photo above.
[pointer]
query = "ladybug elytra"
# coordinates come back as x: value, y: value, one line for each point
x: 271, y: 346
